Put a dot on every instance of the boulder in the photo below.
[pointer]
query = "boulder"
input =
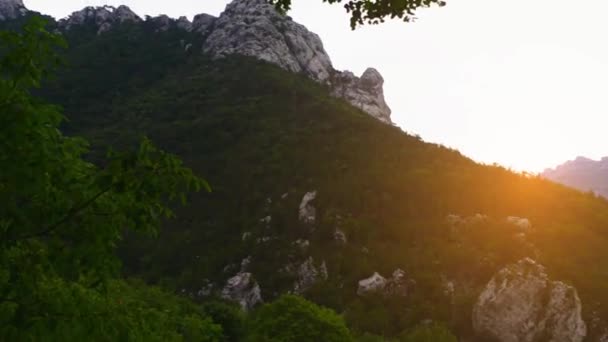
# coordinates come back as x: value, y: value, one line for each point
x: 521, y: 304
x: 375, y: 283
x: 244, y: 290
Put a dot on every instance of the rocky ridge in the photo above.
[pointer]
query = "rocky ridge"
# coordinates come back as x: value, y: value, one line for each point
x: 582, y: 173
x: 251, y: 28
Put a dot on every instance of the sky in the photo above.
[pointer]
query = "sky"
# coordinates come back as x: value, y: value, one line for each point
x: 519, y: 83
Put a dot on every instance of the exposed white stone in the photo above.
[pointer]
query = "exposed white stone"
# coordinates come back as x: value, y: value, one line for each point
x: 11, y: 9
x: 266, y: 220
x: 263, y: 239
x: 244, y: 290
x: 308, y: 213
x: 340, y: 236
x: 308, y: 275
x: 245, y: 263
x: 374, y: 283
x: 521, y: 304
x: 303, y: 244
x: 246, y: 236
x: 521, y: 223
x: 206, y: 289
x: 453, y: 219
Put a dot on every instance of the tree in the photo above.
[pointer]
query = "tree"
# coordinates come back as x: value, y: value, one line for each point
x: 373, y: 11
x: 62, y: 217
x: 294, y: 319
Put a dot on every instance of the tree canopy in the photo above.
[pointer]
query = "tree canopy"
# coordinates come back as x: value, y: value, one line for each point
x: 62, y: 217
x: 373, y: 11
x: 294, y: 319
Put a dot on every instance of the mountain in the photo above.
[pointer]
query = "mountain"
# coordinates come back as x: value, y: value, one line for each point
x: 11, y: 9
x: 315, y: 194
x: 582, y: 173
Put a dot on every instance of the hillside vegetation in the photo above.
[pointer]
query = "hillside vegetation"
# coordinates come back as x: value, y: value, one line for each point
x: 263, y: 137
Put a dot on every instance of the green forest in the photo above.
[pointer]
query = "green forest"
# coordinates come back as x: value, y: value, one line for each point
x: 133, y: 168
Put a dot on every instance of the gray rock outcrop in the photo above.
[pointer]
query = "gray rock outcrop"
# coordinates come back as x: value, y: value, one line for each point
x: 254, y: 28
x: 374, y: 283
x: 244, y: 290
x: 365, y: 92
x: 309, y: 274
x: 307, y: 212
x: 203, y: 23
x: 398, y: 285
x: 521, y: 304
x: 103, y: 17
x: 11, y: 9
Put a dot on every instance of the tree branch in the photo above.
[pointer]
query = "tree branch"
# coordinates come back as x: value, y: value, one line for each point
x: 70, y: 215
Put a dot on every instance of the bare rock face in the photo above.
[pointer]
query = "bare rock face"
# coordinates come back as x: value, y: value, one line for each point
x: 398, y: 285
x: 523, y: 224
x: 521, y: 304
x: 365, y: 93
x: 374, y: 283
x: 254, y: 28
x: 11, y: 9
x: 243, y: 289
x: 309, y: 274
x: 162, y: 22
x: 184, y: 24
x: 203, y: 23
x: 103, y: 17
x: 308, y: 213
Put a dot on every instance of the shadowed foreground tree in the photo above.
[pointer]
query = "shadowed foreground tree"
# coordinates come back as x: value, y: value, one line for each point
x: 373, y: 11
x: 62, y: 217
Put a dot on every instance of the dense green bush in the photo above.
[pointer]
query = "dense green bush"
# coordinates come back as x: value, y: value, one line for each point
x: 294, y: 319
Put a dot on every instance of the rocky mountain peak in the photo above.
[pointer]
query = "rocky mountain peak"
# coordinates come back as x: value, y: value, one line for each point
x: 103, y: 17
x: 251, y: 28
x: 11, y: 9
x: 254, y: 28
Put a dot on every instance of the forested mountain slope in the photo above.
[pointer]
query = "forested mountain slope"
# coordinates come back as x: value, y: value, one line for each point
x: 313, y: 195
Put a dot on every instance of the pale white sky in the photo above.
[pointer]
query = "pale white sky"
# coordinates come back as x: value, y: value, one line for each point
x: 521, y: 83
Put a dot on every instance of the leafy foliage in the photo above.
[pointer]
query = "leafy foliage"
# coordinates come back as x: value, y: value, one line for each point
x: 373, y: 11
x: 62, y: 218
x: 294, y: 319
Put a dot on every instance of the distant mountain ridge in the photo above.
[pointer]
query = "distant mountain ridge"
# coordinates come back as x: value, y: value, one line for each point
x: 582, y: 173
x: 250, y: 28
